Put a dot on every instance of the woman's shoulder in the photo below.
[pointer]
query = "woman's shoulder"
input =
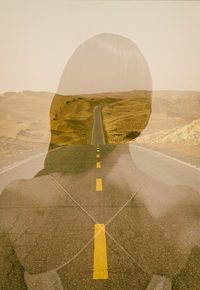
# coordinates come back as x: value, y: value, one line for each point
x: 39, y: 191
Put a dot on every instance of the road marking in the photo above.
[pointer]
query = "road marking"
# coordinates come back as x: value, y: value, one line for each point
x: 166, y: 156
x: 97, y: 150
x: 98, y: 164
x: 100, y: 270
x: 19, y: 163
x: 98, y: 155
x: 99, y: 186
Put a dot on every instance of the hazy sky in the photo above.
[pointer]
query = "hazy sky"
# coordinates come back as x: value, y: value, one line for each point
x: 38, y: 37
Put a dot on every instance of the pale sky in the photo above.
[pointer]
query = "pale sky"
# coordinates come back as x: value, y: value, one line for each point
x: 38, y: 37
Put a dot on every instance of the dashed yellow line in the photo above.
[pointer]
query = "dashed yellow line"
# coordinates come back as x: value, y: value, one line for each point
x: 98, y: 164
x: 98, y: 155
x: 99, y: 186
x: 100, y: 270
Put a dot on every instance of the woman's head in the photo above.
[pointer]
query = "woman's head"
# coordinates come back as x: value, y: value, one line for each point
x: 105, y: 63
x: 109, y: 70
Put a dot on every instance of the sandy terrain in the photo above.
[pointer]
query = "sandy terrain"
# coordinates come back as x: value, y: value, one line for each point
x: 24, y: 125
x: 26, y: 118
x: 72, y: 118
x: 174, y: 125
x: 126, y: 118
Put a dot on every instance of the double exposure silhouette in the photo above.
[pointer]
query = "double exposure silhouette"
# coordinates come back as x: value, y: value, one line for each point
x: 47, y: 222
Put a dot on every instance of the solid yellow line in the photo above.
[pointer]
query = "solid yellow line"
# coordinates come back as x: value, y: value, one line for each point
x: 98, y: 164
x: 98, y: 155
x: 99, y: 186
x: 100, y: 270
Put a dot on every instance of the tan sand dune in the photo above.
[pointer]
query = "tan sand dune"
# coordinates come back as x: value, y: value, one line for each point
x: 174, y: 125
x: 25, y: 125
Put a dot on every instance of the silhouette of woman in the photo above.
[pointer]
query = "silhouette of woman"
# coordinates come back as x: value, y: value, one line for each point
x: 47, y: 223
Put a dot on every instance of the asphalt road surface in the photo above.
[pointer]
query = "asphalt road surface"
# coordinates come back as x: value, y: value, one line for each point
x: 97, y: 130
x: 102, y: 216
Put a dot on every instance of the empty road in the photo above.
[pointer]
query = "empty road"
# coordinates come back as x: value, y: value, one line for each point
x: 105, y: 216
x: 97, y: 130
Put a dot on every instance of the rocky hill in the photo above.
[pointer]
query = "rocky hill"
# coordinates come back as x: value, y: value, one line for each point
x: 24, y: 125
x: 174, y: 126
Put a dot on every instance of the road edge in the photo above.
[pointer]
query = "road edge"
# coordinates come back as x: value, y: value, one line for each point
x: 165, y: 155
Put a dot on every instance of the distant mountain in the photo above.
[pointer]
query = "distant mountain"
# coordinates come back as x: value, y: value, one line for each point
x: 25, y: 122
x: 173, y: 94
x: 26, y: 112
x: 24, y: 125
x: 186, y: 135
x: 174, y: 125
x: 178, y: 104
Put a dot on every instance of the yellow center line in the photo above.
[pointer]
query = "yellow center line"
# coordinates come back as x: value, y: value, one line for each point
x: 98, y: 155
x: 98, y: 164
x: 100, y: 270
x: 99, y: 186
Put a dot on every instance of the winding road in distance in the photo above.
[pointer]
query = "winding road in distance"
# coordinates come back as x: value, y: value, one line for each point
x: 139, y: 218
x: 154, y: 164
x: 97, y: 130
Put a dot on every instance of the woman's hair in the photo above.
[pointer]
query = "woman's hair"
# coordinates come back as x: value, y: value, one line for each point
x: 106, y: 70
x: 105, y: 63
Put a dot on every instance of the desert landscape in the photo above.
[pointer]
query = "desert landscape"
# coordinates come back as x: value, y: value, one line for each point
x: 174, y: 126
x: 71, y: 117
x: 24, y: 125
x: 167, y: 121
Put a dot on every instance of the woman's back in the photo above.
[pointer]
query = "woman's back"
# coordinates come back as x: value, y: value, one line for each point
x: 50, y: 224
